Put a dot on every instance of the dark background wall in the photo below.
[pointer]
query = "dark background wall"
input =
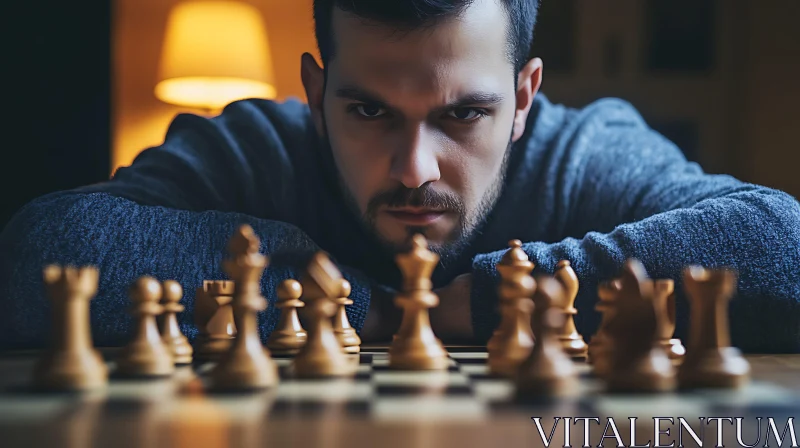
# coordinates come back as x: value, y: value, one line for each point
x: 58, y: 131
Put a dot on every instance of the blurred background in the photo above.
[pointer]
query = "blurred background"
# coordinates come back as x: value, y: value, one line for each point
x: 720, y: 78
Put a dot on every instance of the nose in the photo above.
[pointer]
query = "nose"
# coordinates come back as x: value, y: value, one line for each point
x: 414, y: 162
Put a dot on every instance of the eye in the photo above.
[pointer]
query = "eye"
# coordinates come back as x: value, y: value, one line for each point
x: 466, y: 113
x: 369, y: 110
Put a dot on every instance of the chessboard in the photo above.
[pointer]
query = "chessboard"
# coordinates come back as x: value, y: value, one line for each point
x: 463, y: 405
x: 537, y: 382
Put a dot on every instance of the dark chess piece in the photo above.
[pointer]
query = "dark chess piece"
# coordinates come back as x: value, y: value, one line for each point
x: 599, y: 346
x: 548, y: 371
x: 638, y: 363
x: 322, y: 354
x: 710, y: 361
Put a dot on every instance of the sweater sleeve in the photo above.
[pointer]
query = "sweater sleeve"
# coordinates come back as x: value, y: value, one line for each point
x: 248, y: 159
x: 631, y: 194
x: 169, y: 215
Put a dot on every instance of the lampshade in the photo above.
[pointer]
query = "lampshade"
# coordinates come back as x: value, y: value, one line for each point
x: 214, y: 52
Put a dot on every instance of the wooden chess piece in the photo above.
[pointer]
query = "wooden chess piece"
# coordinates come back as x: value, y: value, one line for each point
x: 710, y: 361
x: 288, y: 336
x: 146, y: 354
x: 351, y: 343
x: 512, y: 342
x: 322, y: 354
x: 664, y: 302
x: 213, y: 316
x: 415, y: 346
x: 599, y: 353
x: 571, y: 340
x: 71, y: 363
x: 638, y: 363
x: 247, y: 364
x: 170, y: 331
x: 547, y: 371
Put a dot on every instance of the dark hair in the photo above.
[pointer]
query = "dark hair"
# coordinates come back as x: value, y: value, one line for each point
x: 411, y: 14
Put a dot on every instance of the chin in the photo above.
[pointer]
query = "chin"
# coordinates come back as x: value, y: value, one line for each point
x: 399, y: 235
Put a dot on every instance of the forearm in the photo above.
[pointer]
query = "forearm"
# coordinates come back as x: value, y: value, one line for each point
x: 125, y: 241
x: 756, y: 232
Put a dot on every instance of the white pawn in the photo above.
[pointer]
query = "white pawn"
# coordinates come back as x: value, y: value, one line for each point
x: 170, y: 331
x: 146, y: 354
x: 351, y: 343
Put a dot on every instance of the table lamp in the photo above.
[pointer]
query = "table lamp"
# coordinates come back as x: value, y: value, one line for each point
x: 214, y: 52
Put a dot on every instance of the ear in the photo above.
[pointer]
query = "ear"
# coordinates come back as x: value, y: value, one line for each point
x: 528, y: 83
x: 313, y: 80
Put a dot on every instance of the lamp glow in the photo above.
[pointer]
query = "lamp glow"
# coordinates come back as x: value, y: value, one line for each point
x: 215, y: 52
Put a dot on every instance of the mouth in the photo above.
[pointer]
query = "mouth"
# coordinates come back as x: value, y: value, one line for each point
x: 416, y: 216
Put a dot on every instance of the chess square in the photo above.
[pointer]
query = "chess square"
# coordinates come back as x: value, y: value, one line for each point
x: 470, y: 357
x: 429, y: 409
x: 334, y: 390
x: 402, y: 390
x: 306, y: 408
x: 431, y: 379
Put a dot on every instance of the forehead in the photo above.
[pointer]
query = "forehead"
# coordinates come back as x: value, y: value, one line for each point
x: 467, y: 49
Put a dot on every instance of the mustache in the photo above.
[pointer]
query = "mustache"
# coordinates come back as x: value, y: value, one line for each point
x: 424, y: 197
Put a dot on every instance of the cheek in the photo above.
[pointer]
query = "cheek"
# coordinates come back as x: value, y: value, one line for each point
x: 473, y: 165
x: 360, y: 165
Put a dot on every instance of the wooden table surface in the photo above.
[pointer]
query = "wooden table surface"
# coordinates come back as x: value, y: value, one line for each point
x: 150, y: 415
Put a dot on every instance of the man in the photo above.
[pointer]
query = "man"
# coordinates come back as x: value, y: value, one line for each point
x: 425, y: 118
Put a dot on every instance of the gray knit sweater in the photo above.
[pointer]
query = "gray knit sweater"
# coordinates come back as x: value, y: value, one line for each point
x: 594, y: 186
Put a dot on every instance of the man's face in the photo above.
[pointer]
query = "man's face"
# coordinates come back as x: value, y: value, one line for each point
x: 419, y: 122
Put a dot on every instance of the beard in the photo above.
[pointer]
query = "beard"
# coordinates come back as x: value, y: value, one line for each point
x: 468, y: 223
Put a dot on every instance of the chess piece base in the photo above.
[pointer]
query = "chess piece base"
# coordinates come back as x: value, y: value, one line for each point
x: 574, y: 345
x: 506, y: 361
x: 722, y: 368
x: 349, y: 339
x: 71, y: 371
x: 653, y: 373
x: 180, y: 349
x: 243, y: 372
x: 674, y: 348
x: 287, y: 341
x: 352, y: 349
x: 211, y: 348
x: 139, y: 359
x: 548, y: 372
x: 417, y: 355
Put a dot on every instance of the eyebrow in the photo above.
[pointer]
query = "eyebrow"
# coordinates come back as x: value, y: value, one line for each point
x: 472, y: 98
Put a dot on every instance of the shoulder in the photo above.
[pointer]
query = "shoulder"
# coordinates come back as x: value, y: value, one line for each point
x: 607, y: 128
x: 604, y: 114
x: 609, y: 113
x: 287, y: 116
